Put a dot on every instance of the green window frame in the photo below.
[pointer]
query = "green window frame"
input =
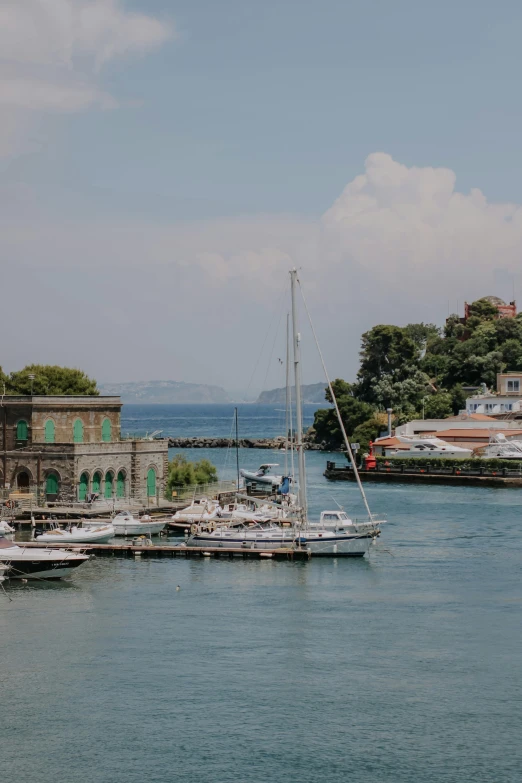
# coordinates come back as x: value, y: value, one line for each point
x: 49, y: 431
x: 106, y: 431
x: 78, y: 431
x: 51, y: 484
x: 151, y: 483
x: 120, y: 485
x: 22, y: 430
x: 83, y: 486
x: 109, y: 481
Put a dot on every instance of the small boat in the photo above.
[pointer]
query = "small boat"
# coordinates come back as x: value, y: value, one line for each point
x: 99, y: 534
x: 426, y: 447
x: 263, y: 475
x: 125, y: 524
x: 5, y: 527
x: 202, y: 509
x: 29, y: 563
x: 500, y: 447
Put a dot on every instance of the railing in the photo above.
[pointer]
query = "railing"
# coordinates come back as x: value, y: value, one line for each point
x: 433, y: 471
x: 197, y: 491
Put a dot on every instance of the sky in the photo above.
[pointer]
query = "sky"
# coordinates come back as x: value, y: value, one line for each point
x: 163, y: 164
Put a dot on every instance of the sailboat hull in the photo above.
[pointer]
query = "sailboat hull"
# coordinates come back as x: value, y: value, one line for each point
x: 320, y: 545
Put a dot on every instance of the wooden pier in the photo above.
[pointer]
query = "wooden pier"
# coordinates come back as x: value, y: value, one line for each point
x: 130, y: 550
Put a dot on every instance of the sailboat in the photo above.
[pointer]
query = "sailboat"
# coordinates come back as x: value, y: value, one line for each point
x: 335, y: 534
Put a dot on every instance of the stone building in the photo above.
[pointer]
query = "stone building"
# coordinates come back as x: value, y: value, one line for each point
x: 65, y: 448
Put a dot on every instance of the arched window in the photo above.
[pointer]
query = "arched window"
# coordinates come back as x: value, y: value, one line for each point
x: 22, y: 430
x: 51, y: 484
x: 109, y: 479
x: 49, y: 431
x: 106, y: 431
x: 151, y: 483
x: 83, y: 486
x: 120, y: 485
x: 96, y: 482
x: 78, y: 431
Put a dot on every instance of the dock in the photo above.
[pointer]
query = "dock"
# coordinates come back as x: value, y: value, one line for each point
x: 479, y: 477
x: 130, y: 550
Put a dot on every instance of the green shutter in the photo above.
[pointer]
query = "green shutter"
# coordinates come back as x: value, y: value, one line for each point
x: 151, y: 483
x: 96, y: 481
x: 51, y: 485
x: 49, y: 431
x: 106, y: 431
x: 84, y: 483
x: 78, y: 431
x: 22, y: 430
x: 120, y: 485
x: 108, y: 484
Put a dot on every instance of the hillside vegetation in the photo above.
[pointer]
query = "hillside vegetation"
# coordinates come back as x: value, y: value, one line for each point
x: 421, y: 366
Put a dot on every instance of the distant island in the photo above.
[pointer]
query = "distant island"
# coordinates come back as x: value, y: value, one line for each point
x: 165, y: 392
x: 312, y: 393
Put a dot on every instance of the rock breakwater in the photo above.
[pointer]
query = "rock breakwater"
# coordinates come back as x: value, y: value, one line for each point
x: 223, y: 443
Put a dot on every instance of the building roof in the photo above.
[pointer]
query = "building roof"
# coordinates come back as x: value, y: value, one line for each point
x: 472, y: 434
x: 470, y: 417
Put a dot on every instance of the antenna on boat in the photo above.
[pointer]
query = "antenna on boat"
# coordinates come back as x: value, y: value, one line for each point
x: 287, y: 405
x: 334, y: 400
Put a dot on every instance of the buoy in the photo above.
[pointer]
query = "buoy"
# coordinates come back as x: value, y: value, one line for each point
x: 24, y: 581
x: 178, y: 587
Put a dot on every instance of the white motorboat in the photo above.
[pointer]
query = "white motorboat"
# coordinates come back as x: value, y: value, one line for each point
x: 334, y: 535
x: 5, y: 527
x: 99, y: 534
x: 198, y: 510
x: 125, y: 524
x: 263, y: 475
x: 502, y: 448
x: 29, y: 563
x: 427, y: 447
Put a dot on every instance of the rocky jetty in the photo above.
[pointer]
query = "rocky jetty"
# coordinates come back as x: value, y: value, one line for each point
x: 223, y: 443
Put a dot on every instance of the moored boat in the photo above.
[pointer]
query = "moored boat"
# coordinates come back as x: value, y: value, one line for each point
x: 125, y: 524
x: 29, y: 563
x: 98, y: 534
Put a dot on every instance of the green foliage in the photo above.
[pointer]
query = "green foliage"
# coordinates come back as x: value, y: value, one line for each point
x: 366, y: 432
x: 353, y: 413
x: 420, y: 366
x: 50, y: 379
x: 183, y: 473
x: 465, y: 463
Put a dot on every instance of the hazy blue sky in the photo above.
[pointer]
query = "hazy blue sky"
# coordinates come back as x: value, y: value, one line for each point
x: 164, y: 163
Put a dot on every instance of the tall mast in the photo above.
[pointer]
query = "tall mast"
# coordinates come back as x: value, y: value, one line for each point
x: 237, y: 448
x: 298, y: 404
x: 287, y: 405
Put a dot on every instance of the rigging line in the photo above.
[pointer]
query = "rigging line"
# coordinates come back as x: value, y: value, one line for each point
x: 341, y: 423
x: 274, y: 310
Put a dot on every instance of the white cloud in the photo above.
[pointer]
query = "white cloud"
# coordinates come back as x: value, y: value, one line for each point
x: 51, y: 52
x: 397, y: 244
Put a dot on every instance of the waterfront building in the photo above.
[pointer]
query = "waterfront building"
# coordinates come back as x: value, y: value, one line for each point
x: 69, y: 447
x: 506, y: 402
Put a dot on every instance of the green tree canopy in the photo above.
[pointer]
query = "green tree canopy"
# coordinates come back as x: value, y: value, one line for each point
x: 184, y: 473
x: 50, y: 379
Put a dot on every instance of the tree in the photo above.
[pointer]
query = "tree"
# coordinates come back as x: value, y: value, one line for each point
x: 326, y: 424
x: 368, y: 431
x: 386, y: 352
x: 438, y: 406
x: 50, y: 379
x: 183, y: 473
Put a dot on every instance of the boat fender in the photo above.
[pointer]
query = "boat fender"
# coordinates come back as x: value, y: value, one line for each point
x: 211, y: 527
x: 193, y: 529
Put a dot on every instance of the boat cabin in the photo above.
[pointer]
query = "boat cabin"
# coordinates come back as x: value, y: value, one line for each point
x: 335, y: 520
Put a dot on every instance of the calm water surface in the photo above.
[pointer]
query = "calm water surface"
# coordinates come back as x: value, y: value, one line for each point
x: 404, y: 667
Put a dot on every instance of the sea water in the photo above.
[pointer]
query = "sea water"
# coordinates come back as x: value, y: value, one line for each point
x: 402, y: 667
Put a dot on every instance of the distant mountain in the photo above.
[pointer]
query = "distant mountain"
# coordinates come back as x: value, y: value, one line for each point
x: 165, y: 392
x: 312, y: 392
